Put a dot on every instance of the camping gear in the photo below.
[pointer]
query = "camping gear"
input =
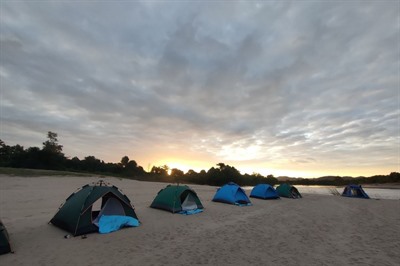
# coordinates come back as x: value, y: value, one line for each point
x: 78, y: 216
x: 288, y: 191
x: 111, y: 223
x: 177, y: 199
x: 232, y: 193
x: 5, y: 246
x: 190, y: 212
x: 264, y: 191
x: 354, y: 191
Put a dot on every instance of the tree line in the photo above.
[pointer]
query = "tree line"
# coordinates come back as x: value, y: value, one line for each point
x: 51, y: 157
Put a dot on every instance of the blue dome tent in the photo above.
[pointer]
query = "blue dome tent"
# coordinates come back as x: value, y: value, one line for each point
x: 264, y: 191
x: 232, y: 193
x: 354, y: 191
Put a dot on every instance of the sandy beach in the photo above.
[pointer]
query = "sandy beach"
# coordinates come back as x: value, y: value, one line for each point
x: 314, y: 230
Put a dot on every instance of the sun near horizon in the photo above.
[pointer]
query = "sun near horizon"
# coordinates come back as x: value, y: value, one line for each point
x: 197, y: 166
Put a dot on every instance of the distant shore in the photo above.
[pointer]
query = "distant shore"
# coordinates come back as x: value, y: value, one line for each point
x: 385, y: 186
x: 222, y: 176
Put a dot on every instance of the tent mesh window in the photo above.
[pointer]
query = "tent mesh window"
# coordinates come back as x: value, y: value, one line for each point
x: 189, y: 203
x: 110, y: 206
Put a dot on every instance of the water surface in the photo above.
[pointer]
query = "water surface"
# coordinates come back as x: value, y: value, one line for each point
x: 373, y: 193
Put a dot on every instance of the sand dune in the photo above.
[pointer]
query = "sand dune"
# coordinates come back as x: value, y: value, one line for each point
x: 314, y: 230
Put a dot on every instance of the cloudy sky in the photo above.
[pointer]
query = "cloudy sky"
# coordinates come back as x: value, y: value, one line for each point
x: 302, y: 88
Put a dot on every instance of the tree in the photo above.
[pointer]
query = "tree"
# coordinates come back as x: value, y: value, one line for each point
x: 5, y: 154
x: 131, y: 165
x: 51, y: 153
x: 91, y: 163
x: 17, y: 153
x: 177, y: 174
x: 33, y: 158
x: 125, y: 161
x: 131, y: 169
x: 51, y: 145
x: 271, y: 180
x: 74, y: 163
x: 223, y: 174
x: 161, y: 170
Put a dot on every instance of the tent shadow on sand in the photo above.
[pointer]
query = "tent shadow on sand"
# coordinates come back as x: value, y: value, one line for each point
x: 78, y: 215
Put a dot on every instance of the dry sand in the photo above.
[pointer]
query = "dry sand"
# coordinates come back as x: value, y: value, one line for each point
x: 314, y: 230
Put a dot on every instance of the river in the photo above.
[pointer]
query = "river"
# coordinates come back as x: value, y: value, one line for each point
x: 373, y: 193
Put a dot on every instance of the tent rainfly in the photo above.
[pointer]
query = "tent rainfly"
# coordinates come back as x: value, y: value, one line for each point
x: 354, y: 191
x: 232, y: 193
x: 288, y: 191
x: 5, y: 246
x: 176, y: 198
x: 264, y: 191
x: 78, y: 216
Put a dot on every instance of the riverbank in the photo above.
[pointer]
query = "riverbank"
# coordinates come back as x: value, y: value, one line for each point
x: 314, y: 230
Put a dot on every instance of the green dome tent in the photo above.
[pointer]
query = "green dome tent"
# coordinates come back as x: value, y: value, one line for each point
x: 288, y: 191
x: 77, y: 216
x: 175, y: 198
x: 4, y: 240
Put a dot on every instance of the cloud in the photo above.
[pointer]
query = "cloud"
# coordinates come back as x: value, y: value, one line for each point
x: 271, y: 83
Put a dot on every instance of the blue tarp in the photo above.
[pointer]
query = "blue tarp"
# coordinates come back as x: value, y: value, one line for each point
x: 243, y: 204
x: 190, y: 212
x: 111, y: 223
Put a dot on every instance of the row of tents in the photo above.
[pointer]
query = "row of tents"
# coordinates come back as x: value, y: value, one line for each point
x: 78, y: 216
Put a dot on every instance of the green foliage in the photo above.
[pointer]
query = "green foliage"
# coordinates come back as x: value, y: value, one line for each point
x: 125, y: 161
x: 223, y: 174
x: 159, y: 170
x: 51, y: 145
x: 50, y: 157
x: 177, y: 175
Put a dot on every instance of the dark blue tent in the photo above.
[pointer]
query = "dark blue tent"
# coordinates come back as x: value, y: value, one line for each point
x: 232, y: 193
x: 354, y: 191
x: 5, y: 246
x: 264, y: 191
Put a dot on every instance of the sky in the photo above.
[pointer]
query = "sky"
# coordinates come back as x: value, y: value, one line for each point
x: 288, y: 88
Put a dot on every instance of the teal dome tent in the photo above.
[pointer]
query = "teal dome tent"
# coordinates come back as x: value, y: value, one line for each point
x: 176, y: 198
x: 288, y: 191
x: 77, y: 215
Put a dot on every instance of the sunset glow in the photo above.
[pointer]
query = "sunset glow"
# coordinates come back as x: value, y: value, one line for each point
x: 302, y: 89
